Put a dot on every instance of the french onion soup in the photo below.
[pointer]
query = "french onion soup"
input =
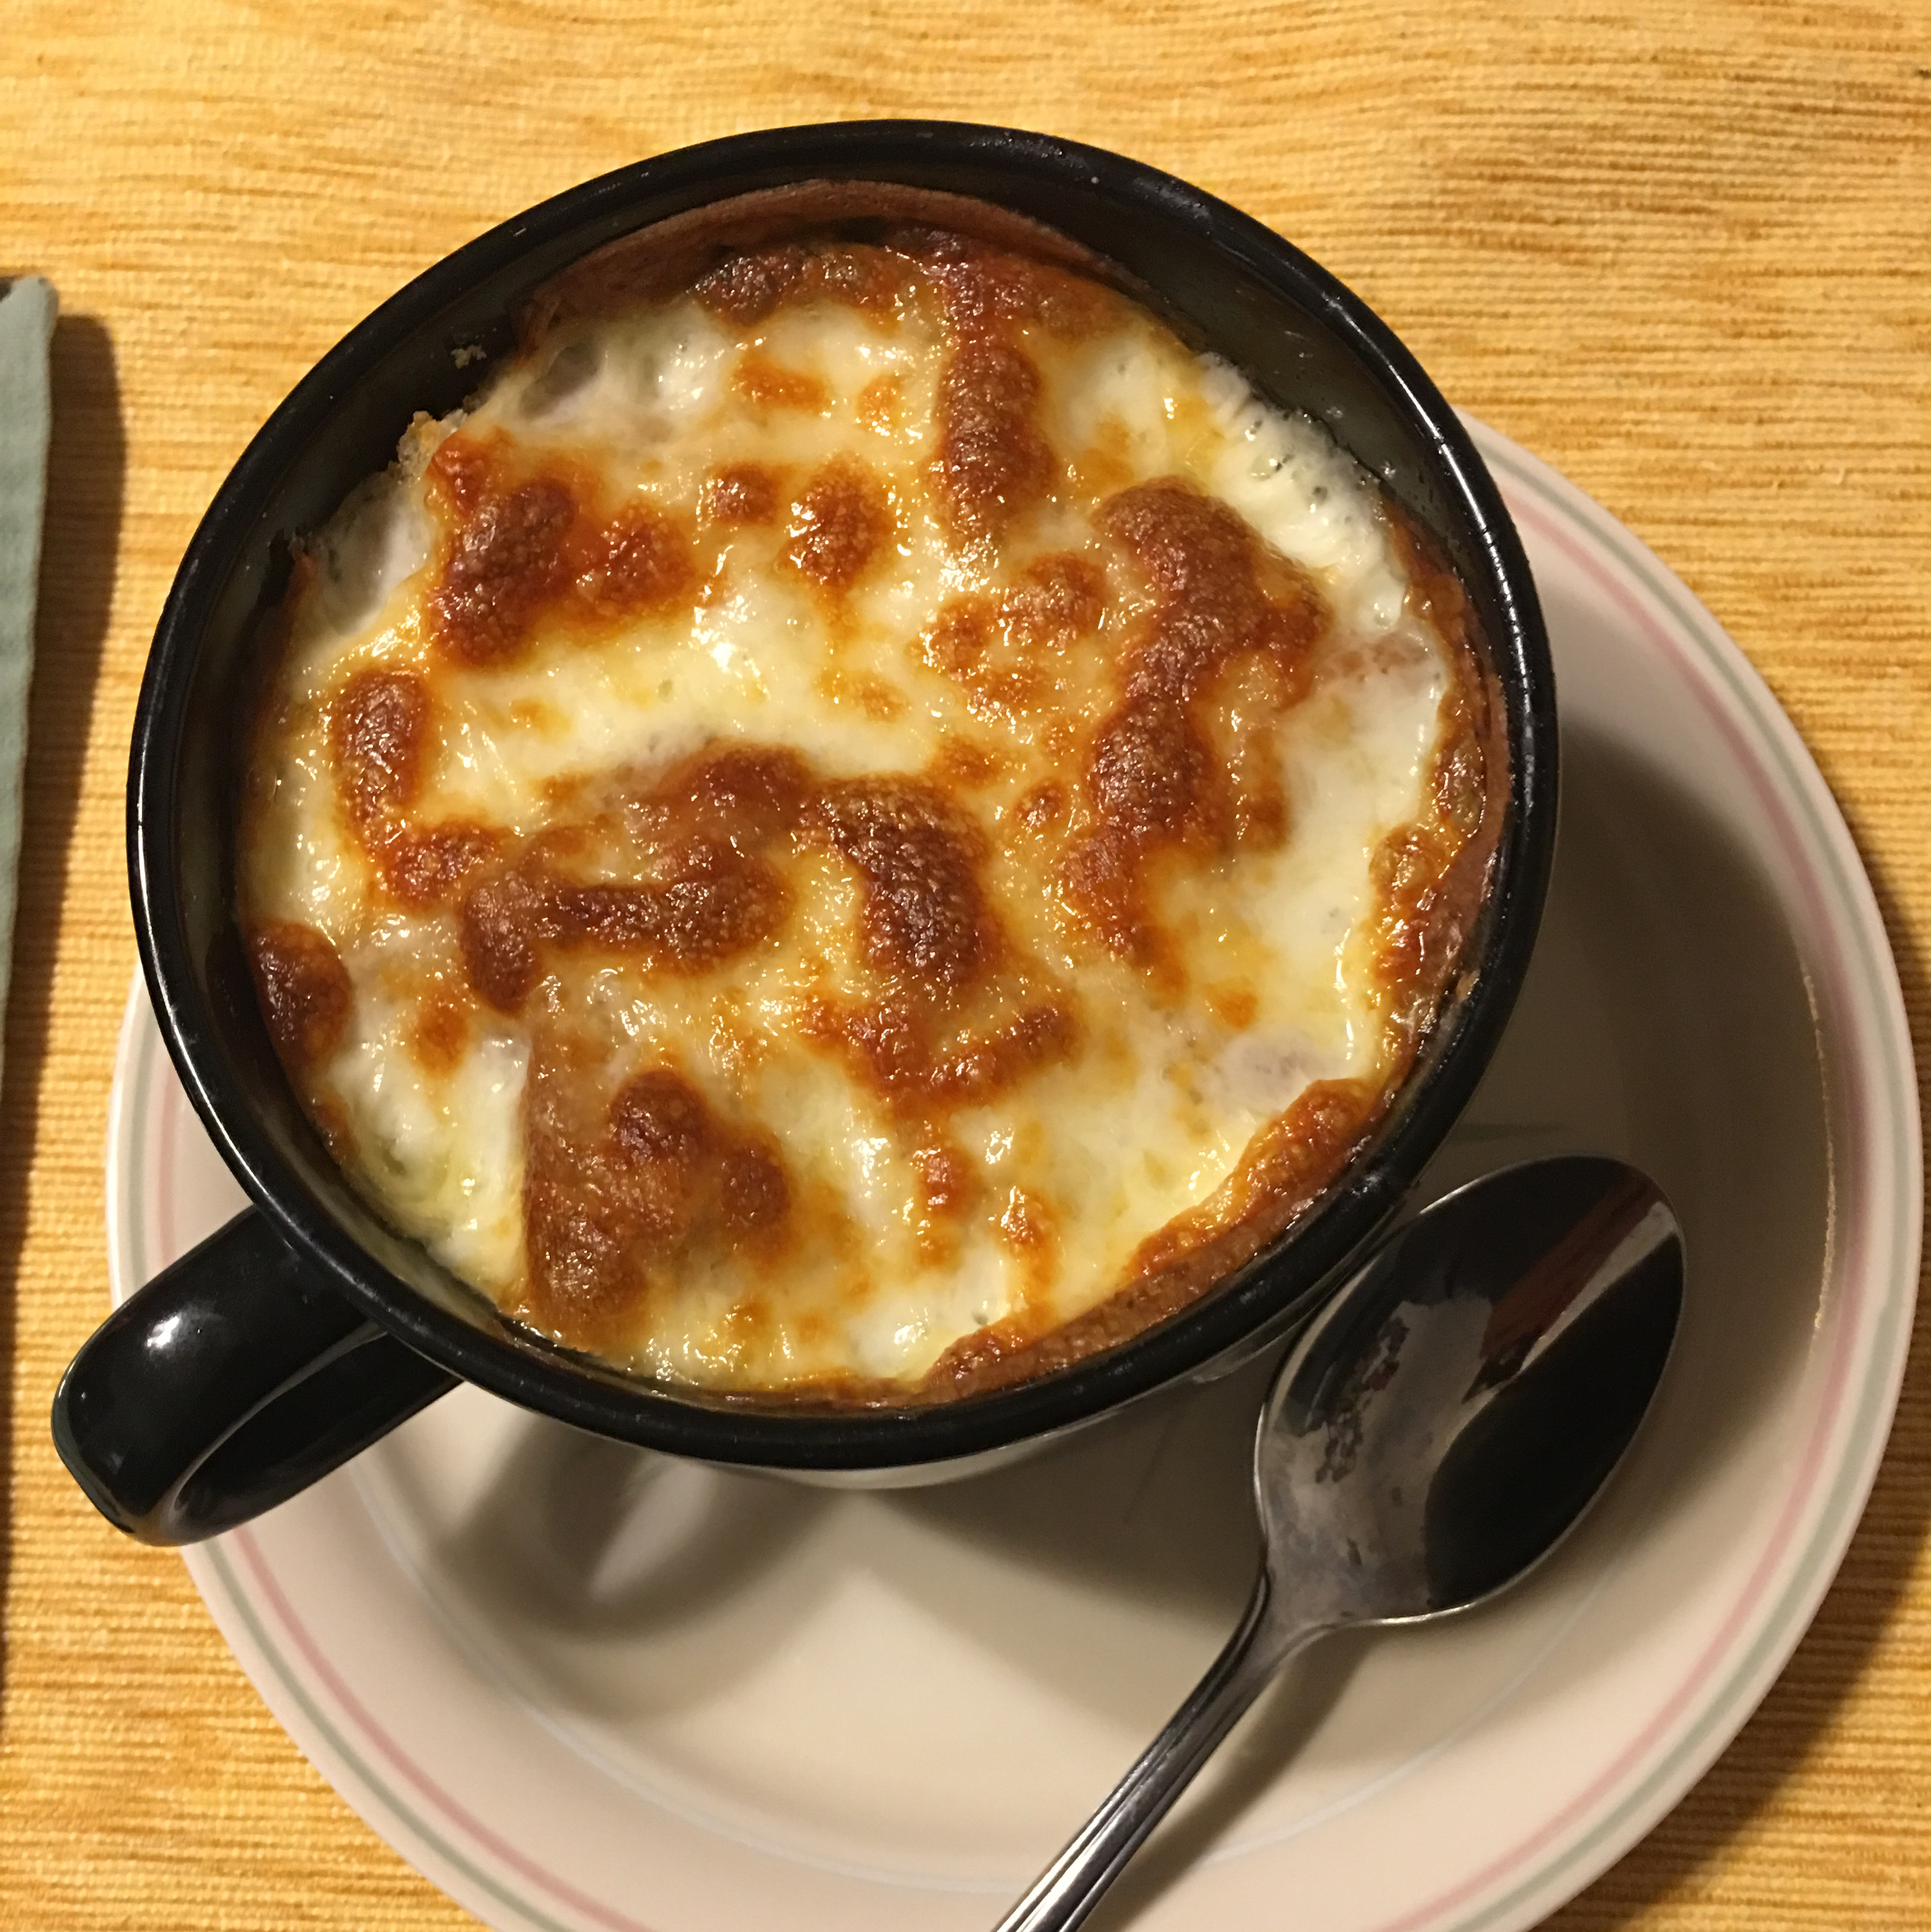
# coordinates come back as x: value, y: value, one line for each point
x: 865, y: 821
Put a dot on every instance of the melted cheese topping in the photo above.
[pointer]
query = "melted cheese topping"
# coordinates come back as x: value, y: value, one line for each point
x: 833, y: 823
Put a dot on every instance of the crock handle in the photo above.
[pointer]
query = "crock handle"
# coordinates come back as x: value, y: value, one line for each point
x: 235, y: 1378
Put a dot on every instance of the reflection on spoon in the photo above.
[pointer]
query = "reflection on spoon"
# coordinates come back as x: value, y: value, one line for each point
x: 1436, y: 1432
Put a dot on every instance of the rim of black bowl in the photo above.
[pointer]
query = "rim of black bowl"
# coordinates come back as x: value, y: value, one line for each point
x: 589, y: 1394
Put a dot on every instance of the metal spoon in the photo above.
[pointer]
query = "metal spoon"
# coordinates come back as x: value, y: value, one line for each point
x: 1438, y: 1430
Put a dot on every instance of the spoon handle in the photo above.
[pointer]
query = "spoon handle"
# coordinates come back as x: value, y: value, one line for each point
x: 1070, y: 1886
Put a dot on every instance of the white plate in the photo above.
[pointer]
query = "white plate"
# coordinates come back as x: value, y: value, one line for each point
x: 582, y: 1687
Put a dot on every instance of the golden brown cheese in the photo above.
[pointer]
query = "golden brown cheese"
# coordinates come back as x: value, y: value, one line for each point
x: 863, y: 824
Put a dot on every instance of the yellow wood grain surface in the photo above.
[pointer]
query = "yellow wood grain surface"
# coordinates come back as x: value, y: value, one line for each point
x: 1679, y: 250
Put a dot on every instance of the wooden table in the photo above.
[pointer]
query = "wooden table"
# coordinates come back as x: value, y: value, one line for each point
x: 1680, y: 251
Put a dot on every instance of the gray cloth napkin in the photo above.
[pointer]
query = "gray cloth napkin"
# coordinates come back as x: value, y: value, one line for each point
x: 27, y: 309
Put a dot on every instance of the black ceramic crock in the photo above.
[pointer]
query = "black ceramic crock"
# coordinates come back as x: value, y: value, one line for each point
x: 306, y: 1329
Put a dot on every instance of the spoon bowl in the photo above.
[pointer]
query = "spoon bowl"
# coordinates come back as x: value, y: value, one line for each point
x: 1438, y: 1430
x: 1447, y: 1419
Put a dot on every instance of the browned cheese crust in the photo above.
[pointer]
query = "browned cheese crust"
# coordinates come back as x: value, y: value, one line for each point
x: 1433, y: 877
x: 691, y: 869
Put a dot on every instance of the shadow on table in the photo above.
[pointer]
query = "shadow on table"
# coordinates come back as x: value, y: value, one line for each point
x: 1849, y: 1626
x: 86, y: 467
